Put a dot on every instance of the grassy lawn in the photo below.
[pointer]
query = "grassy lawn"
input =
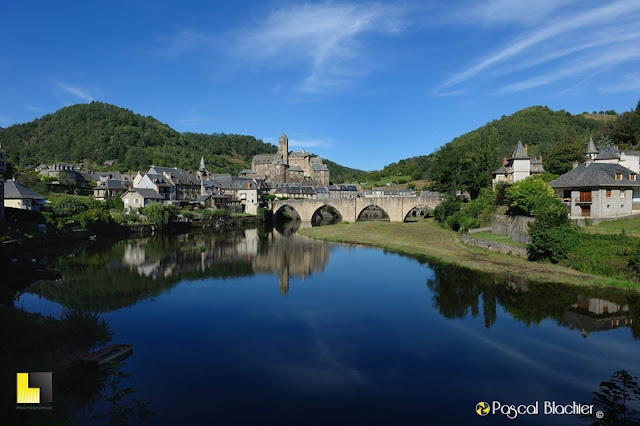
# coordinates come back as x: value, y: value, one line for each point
x: 630, y: 227
x: 505, y: 239
x: 424, y: 238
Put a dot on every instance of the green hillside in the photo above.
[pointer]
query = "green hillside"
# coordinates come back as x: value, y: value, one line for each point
x: 96, y: 132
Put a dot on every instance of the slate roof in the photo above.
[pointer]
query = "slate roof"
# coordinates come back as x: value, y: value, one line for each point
x: 301, y: 154
x: 16, y: 191
x: 248, y: 172
x: 500, y: 171
x: 608, y: 153
x: 296, y: 190
x: 591, y: 148
x: 158, y: 180
x: 146, y: 193
x: 230, y: 182
x: 112, y: 184
x: 595, y: 174
x: 295, y: 169
x: 319, y: 167
x: 519, y: 153
x: 264, y: 158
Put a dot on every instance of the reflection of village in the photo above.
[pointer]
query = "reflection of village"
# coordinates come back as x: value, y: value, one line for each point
x: 591, y: 314
x: 271, y: 252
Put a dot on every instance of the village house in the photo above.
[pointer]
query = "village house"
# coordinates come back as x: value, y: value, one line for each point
x: 19, y: 196
x: 135, y: 198
x: 605, y: 186
x: 381, y: 191
x: 599, y: 190
x: 518, y: 167
x: 344, y: 191
x: 110, y: 188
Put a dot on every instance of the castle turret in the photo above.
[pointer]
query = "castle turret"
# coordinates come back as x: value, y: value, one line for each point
x: 591, y: 149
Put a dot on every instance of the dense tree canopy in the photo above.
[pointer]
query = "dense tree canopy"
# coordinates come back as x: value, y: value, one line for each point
x: 560, y: 157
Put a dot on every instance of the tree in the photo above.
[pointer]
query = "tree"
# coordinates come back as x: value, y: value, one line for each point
x: 160, y: 214
x: 615, y: 399
x: 525, y: 196
x: 559, y: 159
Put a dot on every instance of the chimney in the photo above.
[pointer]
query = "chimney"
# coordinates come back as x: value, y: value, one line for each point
x: 616, y: 147
x: 540, y: 159
x: 526, y: 149
x: 575, y: 164
x: 504, y: 161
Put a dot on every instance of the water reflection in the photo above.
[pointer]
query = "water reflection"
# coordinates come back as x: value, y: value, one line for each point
x: 103, y: 278
x: 456, y: 293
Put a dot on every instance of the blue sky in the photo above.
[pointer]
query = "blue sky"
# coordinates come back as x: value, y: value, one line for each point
x: 361, y: 83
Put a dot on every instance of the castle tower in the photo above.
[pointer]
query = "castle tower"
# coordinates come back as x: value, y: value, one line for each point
x: 283, y: 148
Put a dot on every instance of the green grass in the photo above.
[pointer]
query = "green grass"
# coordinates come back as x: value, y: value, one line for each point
x: 630, y: 227
x: 424, y: 238
x: 505, y: 239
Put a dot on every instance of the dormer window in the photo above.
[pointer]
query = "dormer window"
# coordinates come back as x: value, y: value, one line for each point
x: 632, y: 177
x: 618, y: 176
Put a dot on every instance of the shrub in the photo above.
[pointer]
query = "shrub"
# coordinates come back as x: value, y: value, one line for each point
x: 68, y: 205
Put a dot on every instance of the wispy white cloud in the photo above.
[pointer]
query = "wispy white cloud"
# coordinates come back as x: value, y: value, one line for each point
x: 610, y: 58
x: 72, y: 90
x: 33, y: 108
x: 514, y: 11
x: 326, y: 39
x: 553, y: 39
x: 629, y: 82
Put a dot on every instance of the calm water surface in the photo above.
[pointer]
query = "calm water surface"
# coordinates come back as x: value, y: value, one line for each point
x: 270, y: 327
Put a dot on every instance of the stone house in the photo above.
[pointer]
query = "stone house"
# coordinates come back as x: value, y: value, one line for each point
x: 110, y: 188
x: 156, y: 182
x: 135, y: 198
x: 518, y: 167
x: 344, y: 191
x: 599, y: 190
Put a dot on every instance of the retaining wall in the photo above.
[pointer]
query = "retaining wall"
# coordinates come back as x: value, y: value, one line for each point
x: 495, y: 246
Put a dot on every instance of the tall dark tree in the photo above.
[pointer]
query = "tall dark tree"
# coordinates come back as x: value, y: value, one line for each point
x: 559, y: 159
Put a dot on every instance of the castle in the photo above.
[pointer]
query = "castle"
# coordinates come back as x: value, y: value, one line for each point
x: 288, y: 167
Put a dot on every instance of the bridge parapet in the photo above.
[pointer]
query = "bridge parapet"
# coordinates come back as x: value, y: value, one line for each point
x: 350, y: 209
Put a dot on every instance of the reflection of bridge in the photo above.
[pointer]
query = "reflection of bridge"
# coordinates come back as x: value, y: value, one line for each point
x: 397, y: 208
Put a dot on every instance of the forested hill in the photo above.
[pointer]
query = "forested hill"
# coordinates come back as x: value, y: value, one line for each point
x: 96, y: 132
x: 466, y: 162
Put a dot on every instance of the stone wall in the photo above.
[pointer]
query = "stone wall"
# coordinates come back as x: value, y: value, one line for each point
x: 515, y: 227
x: 495, y: 246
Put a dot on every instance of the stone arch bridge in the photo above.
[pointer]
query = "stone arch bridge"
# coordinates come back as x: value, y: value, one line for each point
x: 397, y: 208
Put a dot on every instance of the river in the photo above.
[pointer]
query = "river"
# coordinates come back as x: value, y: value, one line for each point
x: 265, y: 326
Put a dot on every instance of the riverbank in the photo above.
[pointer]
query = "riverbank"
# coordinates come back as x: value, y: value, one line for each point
x: 426, y: 239
x: 39, y: 239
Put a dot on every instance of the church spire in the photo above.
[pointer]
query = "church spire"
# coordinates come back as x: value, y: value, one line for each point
x: 202, y: 167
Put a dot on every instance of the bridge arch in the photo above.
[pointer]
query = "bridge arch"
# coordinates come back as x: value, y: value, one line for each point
x: 418, y: 212
x: 322, y: 210
x: 285, y: 210
x: 372, y: 209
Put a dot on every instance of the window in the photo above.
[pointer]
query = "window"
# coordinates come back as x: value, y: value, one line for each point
x: 632, y: 177
x: 608, y: 193
x: 126, y: 201
x: 136, y: 201
x: 623, y: 193
x: 618, y: 176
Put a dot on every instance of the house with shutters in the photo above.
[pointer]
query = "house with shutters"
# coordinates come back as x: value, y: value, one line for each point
x: 518, y: 167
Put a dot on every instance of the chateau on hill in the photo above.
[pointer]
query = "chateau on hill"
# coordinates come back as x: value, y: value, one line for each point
x: 288, y: 167
x: 519, y: 167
